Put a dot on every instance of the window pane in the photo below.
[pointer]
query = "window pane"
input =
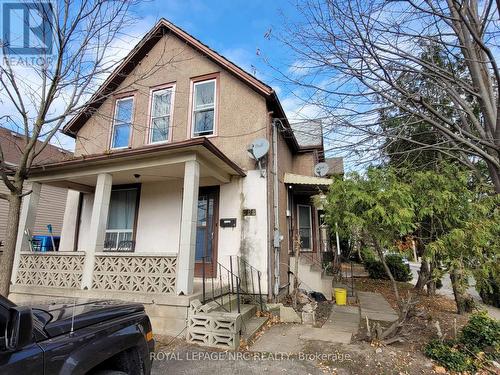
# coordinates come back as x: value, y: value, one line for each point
x: 305, y: 226
x: 204, y: 122
x: 305, y: 238
x: 121, y: 135
x: 122, y: 209
x: 124, y: 109
x: 159, y: 129
x: 304, y: 217
x: 204, y: 95
x: 161, y: 103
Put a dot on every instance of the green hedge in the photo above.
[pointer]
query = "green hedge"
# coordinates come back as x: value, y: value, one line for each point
x: 395, y: 263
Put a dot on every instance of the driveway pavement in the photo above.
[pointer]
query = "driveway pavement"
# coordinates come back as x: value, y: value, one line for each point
x: 200, y: 361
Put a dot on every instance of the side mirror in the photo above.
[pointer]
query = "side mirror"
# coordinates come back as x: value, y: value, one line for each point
x: 19, y: 328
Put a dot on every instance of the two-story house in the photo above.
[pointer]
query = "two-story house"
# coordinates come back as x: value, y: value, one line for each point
x: 163, y: 191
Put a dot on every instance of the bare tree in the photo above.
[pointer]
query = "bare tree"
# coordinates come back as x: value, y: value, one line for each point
x: 88, y: 39
x: 352, y: 57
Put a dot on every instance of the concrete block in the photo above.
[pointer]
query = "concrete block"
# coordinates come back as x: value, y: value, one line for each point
x: 308, y: 318
x: 288, y: 315
x: 225, y: 341
x: 194, y: 307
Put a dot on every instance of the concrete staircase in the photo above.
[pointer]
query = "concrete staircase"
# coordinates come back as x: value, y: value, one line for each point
x: 218, y: 323
x: 250, y: 323
x: 312, y: 276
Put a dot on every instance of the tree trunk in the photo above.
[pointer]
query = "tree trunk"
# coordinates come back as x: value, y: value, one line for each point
x: 494, y: 173
x: 423, y: 275
x: 463, y: 300
x: 431, y: 283
x: 387, y: 269
x: 7, y: 258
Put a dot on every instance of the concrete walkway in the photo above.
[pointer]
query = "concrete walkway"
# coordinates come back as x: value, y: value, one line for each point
x: 375, y: 307
x: 342, y: 323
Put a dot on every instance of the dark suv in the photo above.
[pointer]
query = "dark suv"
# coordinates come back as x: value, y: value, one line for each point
x: 89, y: 337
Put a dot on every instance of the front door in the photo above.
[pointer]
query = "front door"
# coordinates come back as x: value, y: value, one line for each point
x: 206, y: 231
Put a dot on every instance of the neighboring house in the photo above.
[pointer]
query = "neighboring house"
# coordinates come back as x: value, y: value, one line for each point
x: 52, y: 199
x: 162, y: 179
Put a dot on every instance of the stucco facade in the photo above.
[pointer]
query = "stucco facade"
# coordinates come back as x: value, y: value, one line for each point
x: 242, y: 114
x: 170, y: 177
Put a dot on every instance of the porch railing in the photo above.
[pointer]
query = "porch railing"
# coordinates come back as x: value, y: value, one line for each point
x: 143, y: 273
x: 137, y: 273
x: 51, y: 269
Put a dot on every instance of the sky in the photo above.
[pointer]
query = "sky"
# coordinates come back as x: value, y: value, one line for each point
x: 244, y: 31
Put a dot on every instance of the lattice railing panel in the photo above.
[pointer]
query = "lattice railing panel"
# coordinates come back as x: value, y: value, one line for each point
x: 145, y: 274
x: 60, y: 271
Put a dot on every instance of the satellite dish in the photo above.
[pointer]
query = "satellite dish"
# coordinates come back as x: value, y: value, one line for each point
x: 321, y: 169
x: 258, y: 148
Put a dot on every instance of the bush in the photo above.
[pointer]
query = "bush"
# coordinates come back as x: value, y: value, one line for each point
x: 368, y: 255
x: 399, y: 270
x: 482, y: 334
x: 448, y: 354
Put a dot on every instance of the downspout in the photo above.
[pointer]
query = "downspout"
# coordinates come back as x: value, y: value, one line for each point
x: 270, y: 271
x: 277, y: 237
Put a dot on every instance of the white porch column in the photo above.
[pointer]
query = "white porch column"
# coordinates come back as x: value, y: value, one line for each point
x: 26, y: 223
x: 70, y: 222
x: 187, y: 244
x: 98, y: 222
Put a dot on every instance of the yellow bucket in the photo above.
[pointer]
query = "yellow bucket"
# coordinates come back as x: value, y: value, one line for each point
x: 340, y: 295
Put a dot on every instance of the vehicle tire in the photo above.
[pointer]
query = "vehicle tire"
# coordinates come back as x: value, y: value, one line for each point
x: 110, y: 372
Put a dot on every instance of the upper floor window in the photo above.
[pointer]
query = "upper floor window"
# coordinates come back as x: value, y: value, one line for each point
x: 203, y: 116
x: 161, y: 113
x: 122, y: 123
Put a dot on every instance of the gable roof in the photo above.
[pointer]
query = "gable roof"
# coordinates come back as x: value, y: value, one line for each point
x: 13, y: 143
x: 164, y: 27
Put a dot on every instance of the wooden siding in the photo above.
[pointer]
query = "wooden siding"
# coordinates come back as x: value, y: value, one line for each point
x: 50, y: 210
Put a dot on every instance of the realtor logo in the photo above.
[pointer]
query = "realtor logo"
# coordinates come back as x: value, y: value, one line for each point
x: 27, y: 28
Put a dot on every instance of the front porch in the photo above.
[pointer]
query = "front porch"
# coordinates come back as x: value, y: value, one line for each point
x: 132, y: 228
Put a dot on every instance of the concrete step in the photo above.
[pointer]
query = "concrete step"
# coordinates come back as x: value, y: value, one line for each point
x: 251, y: 327
x: 247, y: 311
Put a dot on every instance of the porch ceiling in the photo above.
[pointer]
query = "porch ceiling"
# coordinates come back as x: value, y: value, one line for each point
x: 145, y: 164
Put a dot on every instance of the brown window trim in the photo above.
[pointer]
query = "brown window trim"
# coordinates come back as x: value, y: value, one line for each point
x: 152, y: 90
x: 116, y: 98
x: 206, y: 77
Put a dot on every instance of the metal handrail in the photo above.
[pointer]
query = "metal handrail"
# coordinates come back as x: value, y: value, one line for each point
x: 218, y: 292
x: 244, y: 269
x: 338, y: 273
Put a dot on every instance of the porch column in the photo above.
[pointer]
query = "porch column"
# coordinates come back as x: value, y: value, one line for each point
x: 70, y: 222
x: 26, y: 224
x: 98, y: 222
x: 187, y: 244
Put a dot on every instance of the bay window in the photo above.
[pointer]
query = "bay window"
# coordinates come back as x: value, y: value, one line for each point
x: 203, y: 116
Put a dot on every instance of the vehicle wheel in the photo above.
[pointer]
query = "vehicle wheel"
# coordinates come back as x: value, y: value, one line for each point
x: 110, y: 372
